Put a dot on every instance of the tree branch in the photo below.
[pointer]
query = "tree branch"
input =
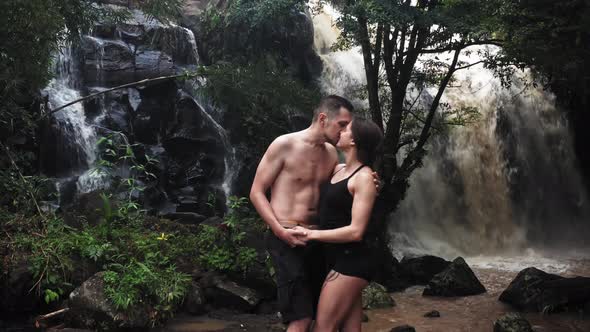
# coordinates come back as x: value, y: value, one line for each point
x: 469, y: 65
x: 497, y: 42
x: 145, y: 81
x: 435, y: 102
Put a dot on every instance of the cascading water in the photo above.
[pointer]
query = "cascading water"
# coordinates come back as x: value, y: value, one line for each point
x: 142, y: 48
x: 343, y: 71
x: 78, y: 136
x: 499, y: 186
x: 230, y: 160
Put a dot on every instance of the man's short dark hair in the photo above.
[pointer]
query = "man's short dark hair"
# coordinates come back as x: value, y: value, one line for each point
x: 331, y: 105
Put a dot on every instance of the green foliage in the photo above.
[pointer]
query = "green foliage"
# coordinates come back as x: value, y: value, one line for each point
x: 51, y: 260
x: 162, y: 10
x: 139, y: 264
x: 257, y: 95
x: 256, y: 14
x: 222, y: 247
x: 551, y: 38
x: 247, y: 29
x: 137, y: 282
x: 116, y: 152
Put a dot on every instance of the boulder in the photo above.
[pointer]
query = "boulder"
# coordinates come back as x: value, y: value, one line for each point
x: 223, y: 293
x: 188, y: 218
x: 194, y: 302
x: 403, y: 328
x: 376, y: 296
x: 90, y: 308
x: 213, y: 221
x: 90, y: 206
x: 116, y: 108
x: 432, y: 314
x: 365, y: 317
x: 512, y: 322
x: 154, y: 112
x: 16, y: 280
x: 420, y: 270
x: 456, y: 280
x: 536, y: 290
x: 109, y: 62
x: 152, y: 63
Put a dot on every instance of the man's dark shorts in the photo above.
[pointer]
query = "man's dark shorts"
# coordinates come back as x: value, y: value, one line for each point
x: 300, y: 273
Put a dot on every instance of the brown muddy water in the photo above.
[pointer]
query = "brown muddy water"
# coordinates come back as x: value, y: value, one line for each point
x: 466, y: 314
x: 461, y: 314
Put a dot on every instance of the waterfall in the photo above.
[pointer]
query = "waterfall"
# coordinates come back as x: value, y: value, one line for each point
x: 343, y: 71
x: 141, y: 48
x: 231, y: 162
x: 505, y: 184
x: 78, y: 134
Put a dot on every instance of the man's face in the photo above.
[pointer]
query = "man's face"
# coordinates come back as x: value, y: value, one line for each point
x: 334, y: 126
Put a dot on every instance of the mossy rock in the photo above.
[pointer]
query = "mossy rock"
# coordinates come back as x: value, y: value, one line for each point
x: 376, y: 296
x: 512, y: 322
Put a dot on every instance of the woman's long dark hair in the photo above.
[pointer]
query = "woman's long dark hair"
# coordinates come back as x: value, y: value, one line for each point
x: 367, y: 138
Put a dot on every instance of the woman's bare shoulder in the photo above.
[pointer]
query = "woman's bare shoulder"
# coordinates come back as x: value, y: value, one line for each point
x: 338, y: 168
x: 364, y: 177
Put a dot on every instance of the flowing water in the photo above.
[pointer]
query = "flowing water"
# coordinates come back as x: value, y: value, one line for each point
x: 473, y: 313
x: 503, y: 191
x: 78, y: 133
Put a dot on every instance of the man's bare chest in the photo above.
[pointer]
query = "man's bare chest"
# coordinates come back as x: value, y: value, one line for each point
x: 308, y: 167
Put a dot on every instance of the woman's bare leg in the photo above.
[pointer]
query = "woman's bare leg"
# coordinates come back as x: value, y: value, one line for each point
x: 352, y: 321
x: 339, y: 295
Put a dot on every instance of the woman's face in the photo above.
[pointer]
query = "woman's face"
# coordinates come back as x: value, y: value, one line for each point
x: 345, y: 140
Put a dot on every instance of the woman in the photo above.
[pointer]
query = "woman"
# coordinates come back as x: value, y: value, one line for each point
x: 345, y: 209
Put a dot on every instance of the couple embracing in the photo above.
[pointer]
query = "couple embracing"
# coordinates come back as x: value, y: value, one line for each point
x: 317, y: 216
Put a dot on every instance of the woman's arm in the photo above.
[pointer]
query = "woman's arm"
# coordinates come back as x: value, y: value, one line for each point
x: 364, y: 194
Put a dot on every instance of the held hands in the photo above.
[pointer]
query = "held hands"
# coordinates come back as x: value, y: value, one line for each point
x: 294, y: 236
x: 302, y: 233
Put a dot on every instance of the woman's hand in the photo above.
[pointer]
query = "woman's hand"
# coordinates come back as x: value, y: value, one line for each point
x: 303, y: 233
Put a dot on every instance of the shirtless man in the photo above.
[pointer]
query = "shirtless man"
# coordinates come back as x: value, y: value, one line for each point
x: 293, y: 167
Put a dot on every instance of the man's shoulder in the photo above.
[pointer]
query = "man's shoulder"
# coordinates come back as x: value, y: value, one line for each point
x: 330, y: 148
x: 285, y: 140
x: 289, y: 140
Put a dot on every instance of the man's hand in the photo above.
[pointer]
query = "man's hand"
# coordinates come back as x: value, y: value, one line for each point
x: 293, y: 237
x: 377, y: 182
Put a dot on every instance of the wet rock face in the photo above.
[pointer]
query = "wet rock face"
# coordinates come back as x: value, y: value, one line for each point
x: 512, y: 322
x: 59, y: 153
x: 160, y: 120
x: 138, y: 49
x: 536, y: 290
x: 456, y: 280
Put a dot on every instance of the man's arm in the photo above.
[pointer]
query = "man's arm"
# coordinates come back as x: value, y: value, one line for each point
x: 268, y: 170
